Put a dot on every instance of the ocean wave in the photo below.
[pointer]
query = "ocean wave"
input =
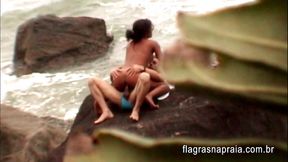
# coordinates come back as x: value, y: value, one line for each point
x: 61, y: 94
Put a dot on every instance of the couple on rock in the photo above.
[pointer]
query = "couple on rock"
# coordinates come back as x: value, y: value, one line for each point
x: 135, y: 82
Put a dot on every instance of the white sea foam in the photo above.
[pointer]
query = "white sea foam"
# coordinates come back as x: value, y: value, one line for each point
x: 12, y: 5
x: 61, y: 94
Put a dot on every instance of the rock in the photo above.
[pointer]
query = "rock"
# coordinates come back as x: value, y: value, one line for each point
x: 49, y: 43
x: 62, y: 124
x: 25, y: 137
x: 186, y: 115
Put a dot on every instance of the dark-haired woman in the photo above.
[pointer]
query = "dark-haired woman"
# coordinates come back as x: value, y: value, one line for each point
x: 133, y: 74
x: 141, y: 52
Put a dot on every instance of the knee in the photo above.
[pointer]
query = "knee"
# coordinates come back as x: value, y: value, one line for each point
x: 92, y: 81
x: 144, y: 77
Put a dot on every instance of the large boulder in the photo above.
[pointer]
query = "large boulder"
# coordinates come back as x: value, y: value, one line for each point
x: 50, y: 42
x: 183, y: 114
x: 25, y: 137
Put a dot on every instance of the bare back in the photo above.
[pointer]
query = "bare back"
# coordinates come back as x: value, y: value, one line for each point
x: 141, y: 53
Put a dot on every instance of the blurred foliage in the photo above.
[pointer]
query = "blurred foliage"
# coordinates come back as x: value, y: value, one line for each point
x: 250, y: 42
x: 252, y: 32
x: 118, y: 146
x: 232, y: 75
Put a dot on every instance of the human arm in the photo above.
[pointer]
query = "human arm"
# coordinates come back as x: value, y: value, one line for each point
x: 157, y: 50
x: 154, y: 64
x: 114, y: 73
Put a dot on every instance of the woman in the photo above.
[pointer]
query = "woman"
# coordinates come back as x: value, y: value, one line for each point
x: 140, y: 54
x: 133, y: 74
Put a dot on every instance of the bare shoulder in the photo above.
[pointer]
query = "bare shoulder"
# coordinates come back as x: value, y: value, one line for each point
x: 153, y: 43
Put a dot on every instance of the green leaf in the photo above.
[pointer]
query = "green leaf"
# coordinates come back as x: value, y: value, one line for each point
x: 256, y: 33
x: 115, y: 146
x: 186, y: 66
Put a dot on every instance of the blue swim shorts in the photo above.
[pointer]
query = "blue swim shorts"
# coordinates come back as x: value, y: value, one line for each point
x: 125, y: 104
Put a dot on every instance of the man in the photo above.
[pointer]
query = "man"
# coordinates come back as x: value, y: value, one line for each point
x: 140, y: 52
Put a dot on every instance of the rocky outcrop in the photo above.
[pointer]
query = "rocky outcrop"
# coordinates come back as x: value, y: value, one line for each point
x: 25, y: 137
x: 49, y: 43
x: 188, y: 115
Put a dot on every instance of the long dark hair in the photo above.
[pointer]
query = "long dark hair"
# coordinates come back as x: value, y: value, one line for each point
x: 142, y: 28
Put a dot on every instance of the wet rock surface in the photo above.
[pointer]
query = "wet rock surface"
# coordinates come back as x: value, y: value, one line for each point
x: 47, y: 43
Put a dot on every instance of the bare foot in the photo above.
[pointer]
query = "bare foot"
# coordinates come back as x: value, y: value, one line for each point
x: 150, y: 101
x: 97, y: 108
x: 105, y: 115
x: 134, y: 116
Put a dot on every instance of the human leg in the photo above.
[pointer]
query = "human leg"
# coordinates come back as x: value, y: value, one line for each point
x: 101, y: 90
x: 154, y: 75
x: 158, y: 86
x: 138, y: 94
x: 158, y: 90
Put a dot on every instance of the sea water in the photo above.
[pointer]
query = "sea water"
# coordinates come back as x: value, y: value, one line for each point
x: 61, y: 94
